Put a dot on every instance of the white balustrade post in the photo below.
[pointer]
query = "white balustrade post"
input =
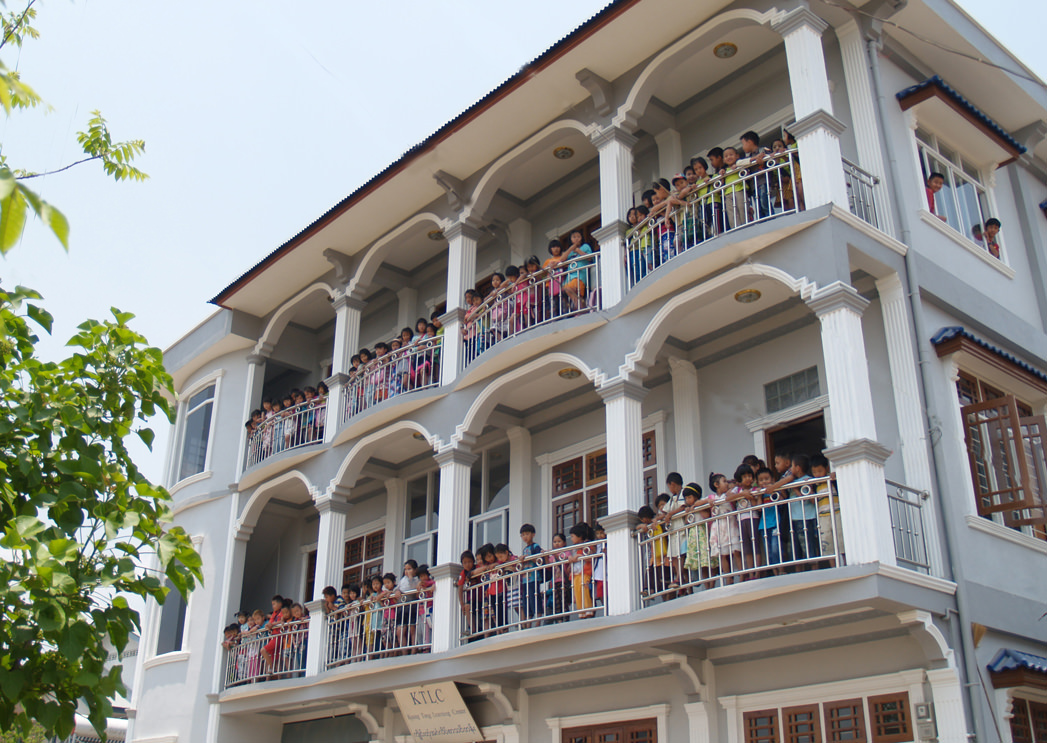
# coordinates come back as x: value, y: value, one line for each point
x: 252, y: 397
x: 948, y: 694
x: 816, y: 130
x: 453, y: 528
x: 462, y: 238
x: 857, y: 458
x: 615, y: 146
x: 622, y: 400
x: 686, y: 419
x: 330, y: 560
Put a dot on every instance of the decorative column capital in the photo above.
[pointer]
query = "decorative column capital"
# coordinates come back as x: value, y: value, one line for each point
x: 337, y: 379
x: 820, y: 119
x: 837, y: 296
x: 260, y: 354
x: 615, y: 229
x: 455, y: 455
x: 243, y: 533
x: 463, y: 228
x: 612, y: 134
x: 448, y: 570
x: 799, y: 18
x: 859, y: 450
x: 344, y: 299
x: 620, y: 520
x: 335, y: 500
x: 678, y: 365
x: 622, y: 387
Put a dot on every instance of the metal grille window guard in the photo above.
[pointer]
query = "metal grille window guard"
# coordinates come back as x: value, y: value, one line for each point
x: 861, y: 192
x: 742, y: 537
x: 910, y: 541
x: 568, y: 289
x: 269, y: 653
x: 547, y: 588
x: 380, y: 627
x: 414, y: 367
x: 298, y: 425
x: 744, y: 195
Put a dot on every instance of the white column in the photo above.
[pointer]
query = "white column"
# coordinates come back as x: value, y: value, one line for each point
x: 622, y: 408
x: 615, y: 146
x: 461, y: 275
x: 520, y: 247
x: 947, y: 693
x: 863, y: 114
x: 330, y: 559
x: 521, y: 500
x: 252, y: 398
x: 453, y: 528
x: 406, y: 308
x: 670, y: 153
x: 348, y: 311
x: 816, y: 130
x: 686, y: 419
x: 395, y: 510
x: 908, y: 404
x: 857, y: 459
x: 698, y: 722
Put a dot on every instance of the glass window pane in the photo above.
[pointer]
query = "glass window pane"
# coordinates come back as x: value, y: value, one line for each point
x: 476, y: 476
x: 498, y: 477
x: 417, y: 507
x: 194, y: 446
x: 418, y: 551
x: 199, y: 397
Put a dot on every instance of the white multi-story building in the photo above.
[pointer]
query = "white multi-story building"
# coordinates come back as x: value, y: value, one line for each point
x: 823, y: 301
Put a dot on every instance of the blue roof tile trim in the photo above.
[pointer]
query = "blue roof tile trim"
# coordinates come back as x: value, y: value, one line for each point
x: 948, y: 333
x: 1009, y: 660
x: 943, y: 86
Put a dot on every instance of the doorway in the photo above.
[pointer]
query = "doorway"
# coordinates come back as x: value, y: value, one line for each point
x: 801, y: 436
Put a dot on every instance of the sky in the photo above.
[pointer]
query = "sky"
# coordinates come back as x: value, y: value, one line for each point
x: 257, y: 118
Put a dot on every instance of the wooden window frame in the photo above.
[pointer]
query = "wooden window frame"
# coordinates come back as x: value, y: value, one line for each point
x: 859, y: 728
x: 625, y: 730
x: 775, y: 716
x: 787, y: 724
x: 875, y: 716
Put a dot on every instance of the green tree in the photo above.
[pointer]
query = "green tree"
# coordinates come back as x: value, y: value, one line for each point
x: 79, y: 521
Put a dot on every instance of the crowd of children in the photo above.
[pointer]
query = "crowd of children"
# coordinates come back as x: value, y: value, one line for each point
x: 410, y: 361
x: 383, y: 617
x: 761, y: 521
x: 531, y: 294
x: 498, y: 590
x: 264, y: 647
x: 728, y: 188
x: 296, y: 419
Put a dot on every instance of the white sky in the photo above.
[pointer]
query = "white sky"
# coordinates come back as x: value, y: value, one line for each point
x: 257, y: 117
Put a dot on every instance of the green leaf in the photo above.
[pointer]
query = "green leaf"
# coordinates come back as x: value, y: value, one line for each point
x: 50, y: 616
x: 12, y: 220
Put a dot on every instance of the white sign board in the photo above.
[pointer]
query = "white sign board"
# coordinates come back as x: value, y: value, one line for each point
x: 436, y: 713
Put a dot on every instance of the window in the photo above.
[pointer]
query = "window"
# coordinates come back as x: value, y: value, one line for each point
x: 800, y: 724
x: 489, y: 497
x: 1028, y: 721
x: 420, y: 521
x: 363, y: 557
x: 963, y: 201
x: 792, y: 390
x: 762, y: 726
x: 1007, y: 454
x: 196, y: 432
x: 580, y: 485
x: 889, y: 718
x: 637, y: 731
x: 844, y: 721
x: 172, y: 622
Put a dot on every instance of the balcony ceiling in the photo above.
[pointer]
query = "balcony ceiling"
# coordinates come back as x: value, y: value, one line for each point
x: 544, y: 168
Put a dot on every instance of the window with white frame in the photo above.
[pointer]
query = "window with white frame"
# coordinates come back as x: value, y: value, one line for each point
x: 489, y: 497
x: 423, y: 500
x: 197, y: 429
x: 171, y: 633
x: 963, y: 201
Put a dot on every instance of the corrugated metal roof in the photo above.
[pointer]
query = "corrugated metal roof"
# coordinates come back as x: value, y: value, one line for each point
x: 948, y: 333
x: 955, y: 95
x: 543, y: 59
x: 1009, y: 660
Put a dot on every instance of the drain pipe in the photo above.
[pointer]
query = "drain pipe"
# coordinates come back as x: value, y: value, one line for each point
x: 970, y: 664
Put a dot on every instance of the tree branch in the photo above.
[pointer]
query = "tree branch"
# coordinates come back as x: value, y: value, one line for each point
x: 60, y: 170
x: 11, y: 30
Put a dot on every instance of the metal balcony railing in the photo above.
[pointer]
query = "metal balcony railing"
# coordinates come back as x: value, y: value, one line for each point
x: 414, y: 367
x: 299, y: 425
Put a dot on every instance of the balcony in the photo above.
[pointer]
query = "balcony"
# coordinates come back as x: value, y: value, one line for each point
x: 706, y: 549
x: 300, y: 425
x: 415, y: 367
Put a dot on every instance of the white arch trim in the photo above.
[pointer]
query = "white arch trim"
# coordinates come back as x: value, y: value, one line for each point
x: 488, y: 185
x: 654, y: 334
x: 486, y: 400
x: 256, y: 503
x: 352, y: 465
x: 372, y: 258
x: 279, y: 321
x: 642, y: 90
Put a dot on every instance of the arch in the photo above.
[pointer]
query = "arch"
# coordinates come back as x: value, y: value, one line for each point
x: 669, y: 58
x: 349, y: 471
x: 261, y: 496
x: 278, y: 322
x: 372, y: 258
x: 486, y: 401
x: 656, y: 332
x: 484, y: 192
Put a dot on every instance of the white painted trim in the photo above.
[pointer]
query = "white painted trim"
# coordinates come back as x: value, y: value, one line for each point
x: 909, y: 680
x: 161, y: 660
x: 917, y: 579
x: 658, y: 711
x: 651, y: 422
x: 966, y: 244
x: 1003, y: 532
x: 214, y: 378
x: 868, y: 230
x: 814, y: 405
x: 161, y: 739
x: 194, y: 503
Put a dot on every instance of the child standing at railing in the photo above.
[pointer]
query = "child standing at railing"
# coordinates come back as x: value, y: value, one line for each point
x: 426, y: 586
x: 406, y: 588
x: 558, y: 600
x: 578, y: 273
x: 697, y: 560
x: 735, y: 207
x: 744, y: 502
x: 829, y: 527
x: 470, y: 612
x: 531, y: 580
x: 724, y: 539
x: 552, y: 284
x: 770, y: 538
x: 375, y: 618
x: 581, y: 570
x: 803, y: 512
x: 656, y: 548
